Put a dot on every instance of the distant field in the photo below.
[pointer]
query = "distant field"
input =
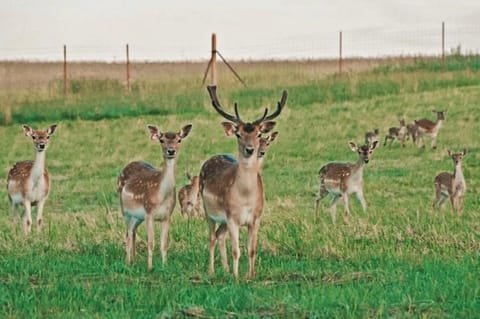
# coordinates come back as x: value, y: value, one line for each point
x: 397, y: 260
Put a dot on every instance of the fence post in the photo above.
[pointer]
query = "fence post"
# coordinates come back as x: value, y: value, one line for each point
x: 64, y: 69
x: 128, y: 69
x: 340, y: 61
x: 443, y: 46
x: 214, y: 60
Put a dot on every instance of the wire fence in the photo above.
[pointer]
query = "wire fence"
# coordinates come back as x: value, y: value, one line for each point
x: 378, y: 42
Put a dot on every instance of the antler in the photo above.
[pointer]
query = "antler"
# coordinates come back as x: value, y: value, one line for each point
x: 279, y: 109
x: 212, y: 90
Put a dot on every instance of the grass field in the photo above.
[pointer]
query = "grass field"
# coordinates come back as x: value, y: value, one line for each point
x: 397, y: 260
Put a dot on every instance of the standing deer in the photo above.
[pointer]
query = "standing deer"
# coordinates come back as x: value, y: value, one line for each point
x: 453, y: 186
x: 396, y: 133
x: 412, y: 130
x: 148, y: 194
x: 28, y: 182
x: 231, y: 189
x: 430, y: 128
x: 340, y: 179
x: 371, y: 137
x: 189, y: 197
x: 263, y: 147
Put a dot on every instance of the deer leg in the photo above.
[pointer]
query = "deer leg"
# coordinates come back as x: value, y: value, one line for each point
x: 234, y: 236
x: 345, y: 203
x: 333, y: 207
x: 164, y: 239
x: 221, y: 237
x: 40, y: 206
x: 385, y: 142
x: 150, y: 238
x: 27, y: 217
x: 211, y: 244
x: 460, y: 205
x: 321, y: 194
x: 362, y: 201
x: 252, y: 244
x: 14, y: 215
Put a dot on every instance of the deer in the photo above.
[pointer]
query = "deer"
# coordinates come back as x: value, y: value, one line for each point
x: 232, y: 188
x: 147, y: 193
x: 396, y: 133
x: 412, y: 131
x: 28, y: 182
x: 263, y: 147
x: 430, y: 128
x: 370, y: 137
x: 189, y: 197
x: 452, y: 186
x: 341, y: 179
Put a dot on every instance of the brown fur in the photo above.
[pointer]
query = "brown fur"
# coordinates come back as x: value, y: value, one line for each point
x: 396, y: 133
x: 189, y: 198
x: 430, y: 128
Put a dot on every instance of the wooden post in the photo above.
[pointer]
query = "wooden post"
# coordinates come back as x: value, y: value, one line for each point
x: 340, y: 61
x: 128, y: 70
x: 213, y: 60
x: 443, y: 46
x: 64, y: 69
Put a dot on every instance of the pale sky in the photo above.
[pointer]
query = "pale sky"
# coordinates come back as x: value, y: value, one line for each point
x: 246, y: 29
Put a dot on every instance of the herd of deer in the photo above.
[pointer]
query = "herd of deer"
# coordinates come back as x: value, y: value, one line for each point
x: 230, y: 188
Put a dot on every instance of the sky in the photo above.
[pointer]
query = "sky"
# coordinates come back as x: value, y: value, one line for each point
x: 245, y: 29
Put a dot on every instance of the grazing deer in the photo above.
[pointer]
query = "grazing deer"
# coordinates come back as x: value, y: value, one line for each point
x: 396, y: 133
x: 28, y: 182
x: 412, y: 130
x: 448, y: 185
x: 148, y: 194
x: 371, y: 137
x: 430, y: 128
x: 341, y: 179
x: 189, y: 197
x: 263, y: 147
x: 232, y: 189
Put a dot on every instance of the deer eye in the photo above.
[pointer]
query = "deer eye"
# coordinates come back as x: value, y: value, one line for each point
x: 180, y: 140
x: 237, y: 134
x: 162, y: 141
x: 34, y: 137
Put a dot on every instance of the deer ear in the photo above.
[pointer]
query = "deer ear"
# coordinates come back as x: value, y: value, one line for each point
x: 267, y: 126
x: 465, y: 151
x: 52, y: 129
x: 353, y: 146
x: 273, y: 136
x: 229, y: 128
x: 185, y: 130
x: 374, y: 145
x: 449, y: 153
x: 27, y: 130
x: 154, y: 132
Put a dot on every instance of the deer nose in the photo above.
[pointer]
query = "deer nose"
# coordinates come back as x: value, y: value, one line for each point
x: 249, y: 150
x: 171, y: 152
x: 41, y: 146
x: 261, y: 153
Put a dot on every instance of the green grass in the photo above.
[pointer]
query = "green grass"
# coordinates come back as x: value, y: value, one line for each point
x: 397, y: 260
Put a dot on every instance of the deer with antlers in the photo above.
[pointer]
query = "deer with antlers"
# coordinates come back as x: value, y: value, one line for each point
x: 340, y: 179
x: 28, y: 182
x: 232, y: 189
x: 189, y: 197
x: 453, y: 186
x: 430, y: 128
x: 147, y: 193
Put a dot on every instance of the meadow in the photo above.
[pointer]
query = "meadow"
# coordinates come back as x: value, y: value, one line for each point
x: 397, y: 260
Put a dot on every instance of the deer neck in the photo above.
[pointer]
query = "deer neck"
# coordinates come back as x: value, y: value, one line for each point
x: 358, y: 167
x: 167, y: 182
x: 438, y: 125
x: 458, y: 173
x: 247, y: 173
x: 38, y: 167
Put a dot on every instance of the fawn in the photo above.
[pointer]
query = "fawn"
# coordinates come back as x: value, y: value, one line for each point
x: 189, y: 197
x: 232, y: 189
x: 263, y: 147
x: 28, y: 182
x: 340, y: 179
x: 148, y: 194
x: 371, y: 137
x: 453, y: 186
x: 430, y: 128
x: 397, y: 133
x: 412, y: 131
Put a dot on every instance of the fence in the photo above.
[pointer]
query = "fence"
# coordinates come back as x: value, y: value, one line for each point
x: 437, y: 42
